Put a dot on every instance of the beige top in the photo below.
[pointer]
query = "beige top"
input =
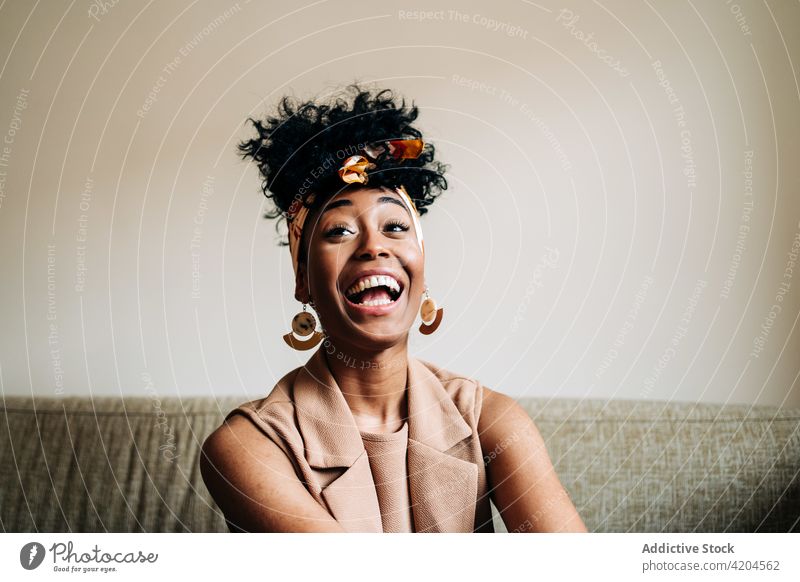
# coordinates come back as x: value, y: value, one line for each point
x: 307, y: 416
x: 387, y: 461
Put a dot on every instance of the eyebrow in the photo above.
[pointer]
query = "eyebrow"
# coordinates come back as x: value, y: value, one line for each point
x: 346, y: 202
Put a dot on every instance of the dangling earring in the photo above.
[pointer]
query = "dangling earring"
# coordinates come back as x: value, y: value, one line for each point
x: 304, y: 325
x: 431, y: 316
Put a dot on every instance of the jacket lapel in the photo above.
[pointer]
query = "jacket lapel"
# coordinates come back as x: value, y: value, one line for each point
x: 442, y: 487
x: 352, y: 498
x: 332, y: 440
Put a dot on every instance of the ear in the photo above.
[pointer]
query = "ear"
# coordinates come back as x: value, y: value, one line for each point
x: 301, y: 284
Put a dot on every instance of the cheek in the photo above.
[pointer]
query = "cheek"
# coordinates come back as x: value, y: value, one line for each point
x: 323, y: 272
x: 326, y: 283
x: 415, y: 265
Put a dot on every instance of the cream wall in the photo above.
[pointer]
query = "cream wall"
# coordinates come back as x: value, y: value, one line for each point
x: 622, y: 211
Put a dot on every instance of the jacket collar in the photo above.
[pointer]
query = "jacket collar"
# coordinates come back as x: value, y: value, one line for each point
x: 330, y: 431
x: 443, y: 487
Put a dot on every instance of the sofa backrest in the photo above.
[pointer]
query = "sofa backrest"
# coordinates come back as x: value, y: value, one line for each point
x: 132, y: 464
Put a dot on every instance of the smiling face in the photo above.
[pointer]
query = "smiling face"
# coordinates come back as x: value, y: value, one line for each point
x: 364, y: 268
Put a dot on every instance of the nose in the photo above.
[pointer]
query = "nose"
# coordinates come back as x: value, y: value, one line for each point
x: 371, y: 244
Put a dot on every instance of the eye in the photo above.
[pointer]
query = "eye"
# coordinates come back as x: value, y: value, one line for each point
x: 334, y: 230
x: 398, y: 224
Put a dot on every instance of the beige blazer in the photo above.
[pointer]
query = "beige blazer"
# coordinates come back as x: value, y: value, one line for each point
x: 308, y: 417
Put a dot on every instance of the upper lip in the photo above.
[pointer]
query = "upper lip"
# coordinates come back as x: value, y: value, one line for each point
x: 370, y: 272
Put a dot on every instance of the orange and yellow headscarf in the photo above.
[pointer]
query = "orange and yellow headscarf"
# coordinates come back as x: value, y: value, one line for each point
x: 354, y: 171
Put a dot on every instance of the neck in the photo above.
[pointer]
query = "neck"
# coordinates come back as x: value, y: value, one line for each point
x: 372, y: 382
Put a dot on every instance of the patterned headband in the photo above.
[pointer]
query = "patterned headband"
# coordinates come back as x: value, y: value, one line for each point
x: 354, y: 170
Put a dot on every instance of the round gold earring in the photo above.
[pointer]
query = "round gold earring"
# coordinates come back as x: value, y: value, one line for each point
x: 430, y: 314
x: 304, y: 324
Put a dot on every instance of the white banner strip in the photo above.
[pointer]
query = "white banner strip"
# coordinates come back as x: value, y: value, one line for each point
x: 399, y: 557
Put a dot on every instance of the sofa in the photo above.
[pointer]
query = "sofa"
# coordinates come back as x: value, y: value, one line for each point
x: 131, y: 464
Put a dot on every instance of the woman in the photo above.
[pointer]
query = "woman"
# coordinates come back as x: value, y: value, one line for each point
x: 364, y: 437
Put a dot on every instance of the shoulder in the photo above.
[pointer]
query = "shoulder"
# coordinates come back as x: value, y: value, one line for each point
x: 525, y: 488
x: 498, y: 419
x: 244, y: 429
x: 233, y: 453
x: 465, y: 392
x: 503, y: 421
x: 273, y: 414
x: 255, y: 483
x: 488, y: 406
x: 496, y: 405
x: 280, y: 393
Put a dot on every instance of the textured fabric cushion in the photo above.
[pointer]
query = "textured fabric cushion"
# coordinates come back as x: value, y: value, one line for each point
x: 132, y: 464
x: 106, y: 465
x: 643, y: 466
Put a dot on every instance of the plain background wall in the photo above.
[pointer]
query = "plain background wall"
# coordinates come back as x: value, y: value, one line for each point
x: 620, y: 222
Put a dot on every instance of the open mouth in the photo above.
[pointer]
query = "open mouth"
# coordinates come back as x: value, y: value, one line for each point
x: 374, y: 291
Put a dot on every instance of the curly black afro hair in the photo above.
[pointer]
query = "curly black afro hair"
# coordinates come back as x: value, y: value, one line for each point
x: 300, y: 149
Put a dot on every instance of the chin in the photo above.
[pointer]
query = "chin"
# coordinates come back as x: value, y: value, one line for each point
x: 372, y: 337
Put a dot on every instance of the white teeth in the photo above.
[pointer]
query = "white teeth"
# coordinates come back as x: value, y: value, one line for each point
x: 377, y: 302
x: 374, y: 281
